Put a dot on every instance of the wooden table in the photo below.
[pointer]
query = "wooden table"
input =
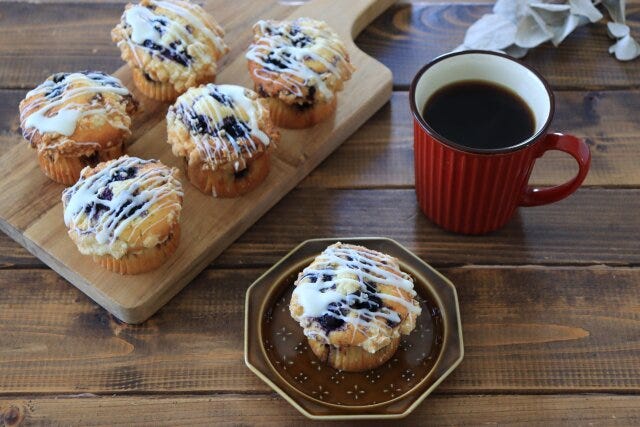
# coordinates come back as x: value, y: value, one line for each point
x: 550, y: 304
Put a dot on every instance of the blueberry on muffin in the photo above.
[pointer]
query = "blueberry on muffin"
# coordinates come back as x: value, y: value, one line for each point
x: 298, y: 67
x: 354, y: 304
x: 170, y: 45
x: 125, y: 213
x: 75, y: 120
x: 225, y: 135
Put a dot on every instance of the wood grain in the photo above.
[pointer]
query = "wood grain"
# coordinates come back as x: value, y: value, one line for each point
x: 528, y: 329
x: 380, y: 153
x: 232, y: 410
x: 426, y: 31
x: 208, y: 225
x: 55, y: 37
x: 594, y: 226
x: 569, y: 329
x: 590, y: 227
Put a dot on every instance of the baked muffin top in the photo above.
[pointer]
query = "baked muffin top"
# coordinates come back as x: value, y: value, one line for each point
x: 77, y: 113
x: 300, y: 61
x: 354, y: 296
x: 219, y: 124
x: 171, y: 41
x: 122, y: 206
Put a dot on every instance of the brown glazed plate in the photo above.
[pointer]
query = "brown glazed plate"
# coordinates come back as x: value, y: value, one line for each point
x: 276, y: 350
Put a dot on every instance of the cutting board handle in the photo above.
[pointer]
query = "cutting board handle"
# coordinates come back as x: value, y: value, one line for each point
x: 208, y: 226
x: 348, y: 18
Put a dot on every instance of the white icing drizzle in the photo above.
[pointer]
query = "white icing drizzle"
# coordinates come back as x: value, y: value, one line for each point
x: 62, y: 92
x: 283, y: 49
x: 161, y: 33
x: 223, y: 122
x: 142, y: 26
x: 340, y: 267
x: 194, y: 19
x: 106, y: 203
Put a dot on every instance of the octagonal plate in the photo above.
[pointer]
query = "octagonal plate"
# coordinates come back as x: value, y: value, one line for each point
x: 276, y: 349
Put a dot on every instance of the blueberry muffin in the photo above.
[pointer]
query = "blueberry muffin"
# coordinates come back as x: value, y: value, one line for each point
x: 170, y: 45
x: 75, y: 120
x: 298, y: 67
x: 125, y: 213
x: 224, y: 134
x: 354, y: 304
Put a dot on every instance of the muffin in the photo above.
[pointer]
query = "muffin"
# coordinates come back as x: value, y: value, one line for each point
x: 298, y: 67
x: 170, y: 45
x: 125, y: 213
x: 354, y: 304
x: 224, y: 134
x: 75, y: 120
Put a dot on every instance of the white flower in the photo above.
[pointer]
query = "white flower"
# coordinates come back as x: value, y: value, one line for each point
x: 515, y: 26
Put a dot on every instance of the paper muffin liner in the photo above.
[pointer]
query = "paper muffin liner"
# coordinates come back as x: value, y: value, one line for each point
x: 159, y: 91
x: 66, y: 169
x: 164, y: 92
x: 352, y: 358
x: 225, y: 182
x: 292, y: 117
x: 143, y: 261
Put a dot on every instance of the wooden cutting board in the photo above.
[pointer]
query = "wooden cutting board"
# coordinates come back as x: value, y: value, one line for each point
x: 30, y: 207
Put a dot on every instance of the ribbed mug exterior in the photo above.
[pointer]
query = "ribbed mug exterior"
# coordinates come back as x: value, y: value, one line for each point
x: 476, y: 190
x: 466, y: 192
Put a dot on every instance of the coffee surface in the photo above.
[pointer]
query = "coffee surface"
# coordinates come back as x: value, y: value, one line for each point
x: 479, y: 114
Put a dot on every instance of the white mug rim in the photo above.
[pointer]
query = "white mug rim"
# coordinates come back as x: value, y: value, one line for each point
x: 520, y: 145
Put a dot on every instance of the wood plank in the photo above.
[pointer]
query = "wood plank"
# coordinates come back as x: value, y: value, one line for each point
x: 37, y: 40
x: 149, y: 114
x: 526, y: 329
x: 30, y: 206
x: 594, y: 226
x: 230, y: 410
x: 13, y: 255
x: 380, y: 153
x: 426, y: 31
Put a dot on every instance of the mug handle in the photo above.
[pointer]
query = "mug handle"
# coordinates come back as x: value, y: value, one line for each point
x: 579, y: 150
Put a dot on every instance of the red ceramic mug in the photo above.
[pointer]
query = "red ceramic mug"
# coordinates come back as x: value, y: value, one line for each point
x: 475, y: 191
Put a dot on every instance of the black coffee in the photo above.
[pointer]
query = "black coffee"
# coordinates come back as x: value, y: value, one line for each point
x: 479, y: 114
